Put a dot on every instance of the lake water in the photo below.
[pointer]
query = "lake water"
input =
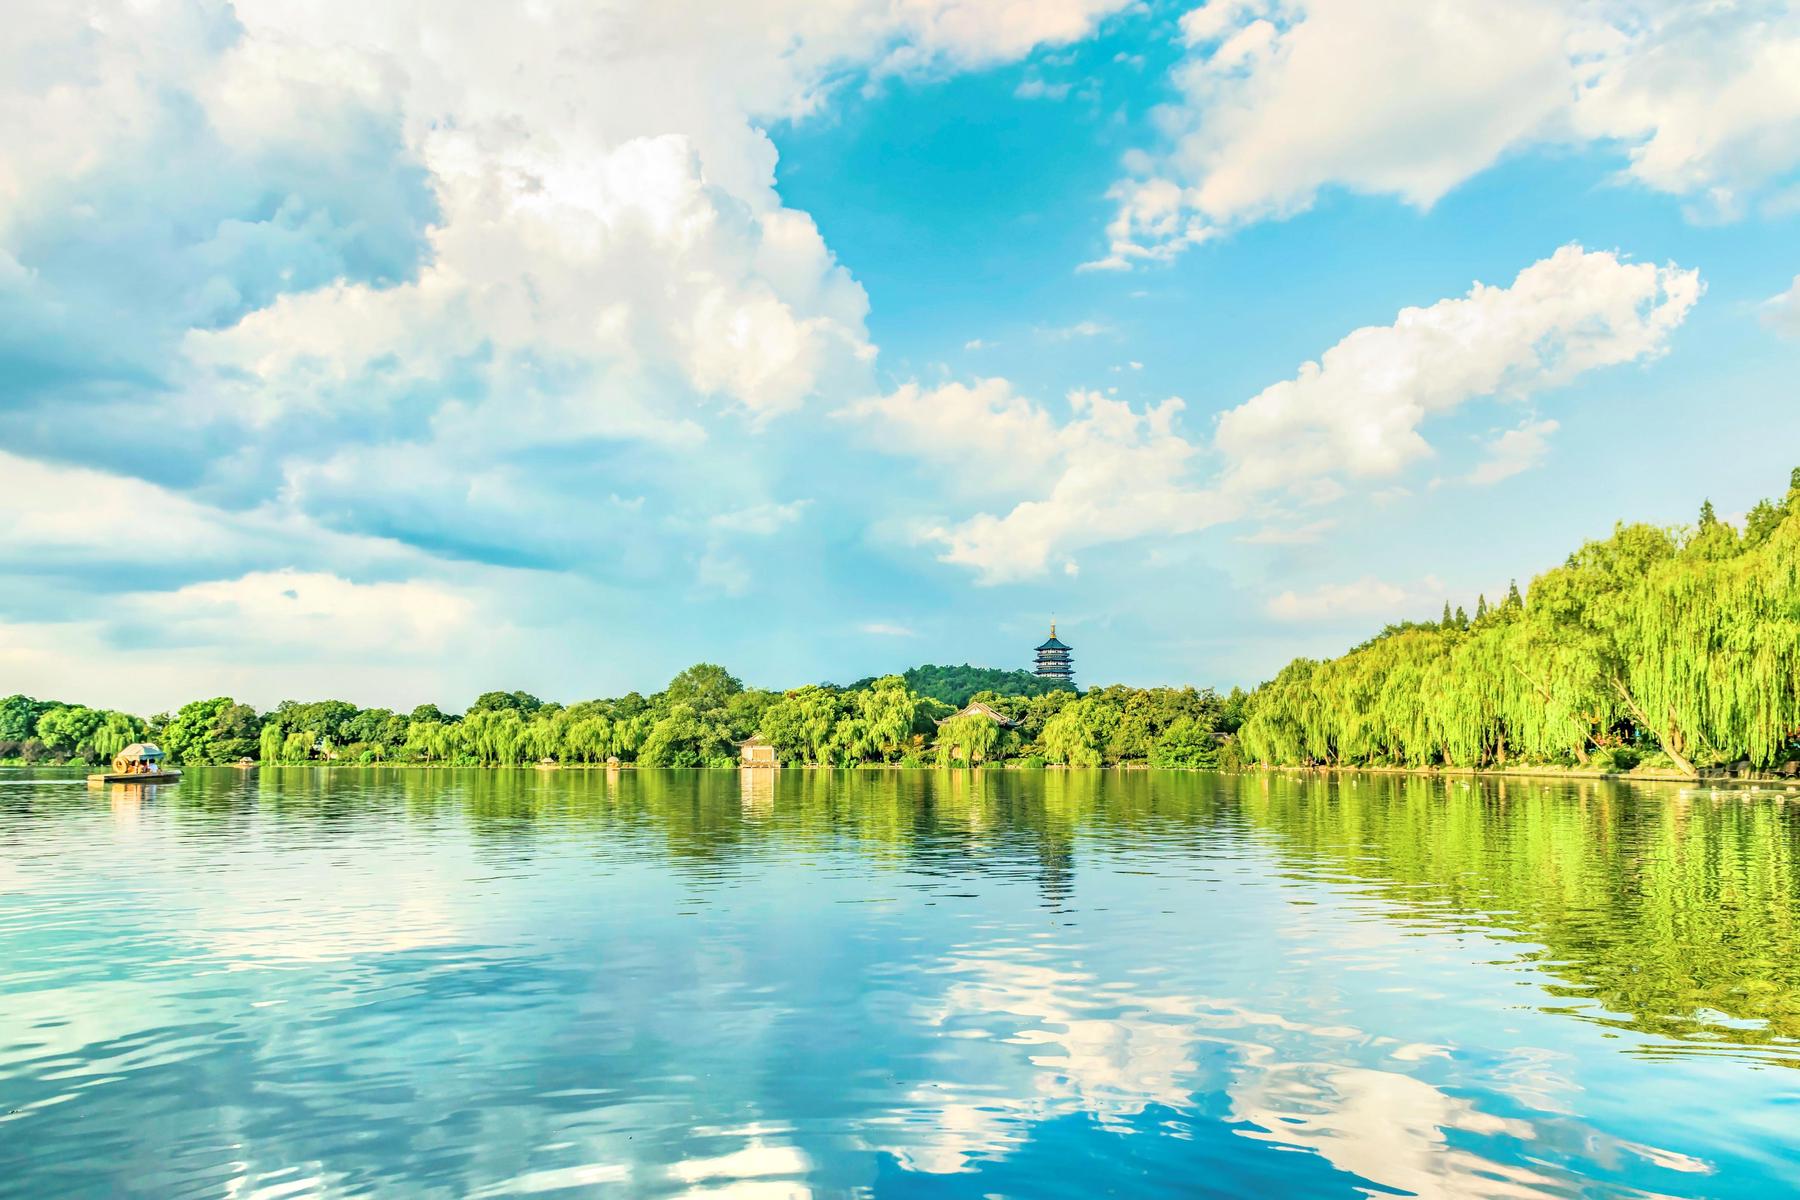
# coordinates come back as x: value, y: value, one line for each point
x: 473, y: 984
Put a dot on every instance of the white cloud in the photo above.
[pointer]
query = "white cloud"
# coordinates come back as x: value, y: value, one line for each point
x: 618, y: 267
x: 1281, y: 99
x: 1705, y: 96
x: 444, y: 273
x: 887, y: 629
x: 1515, y: 451
x: 984, y: 435
x: 266, y: 635
x: 501, y: 232
x: 1111, y: 473
x: 1782, y: 313
x: 1365, y: 597
x: 310, y: 609
x: 1108, y: 473
x: 76, y: 515
x: 1118, y: 474
x: 968, y: 33
x: 1360, y: 408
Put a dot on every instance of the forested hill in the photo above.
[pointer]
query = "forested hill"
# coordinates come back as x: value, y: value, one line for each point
x: 1673, y: 648
x: 956, y: 686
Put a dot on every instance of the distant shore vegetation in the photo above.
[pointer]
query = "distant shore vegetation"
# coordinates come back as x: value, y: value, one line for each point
x: 1655, y: 650
x: 699, y: 720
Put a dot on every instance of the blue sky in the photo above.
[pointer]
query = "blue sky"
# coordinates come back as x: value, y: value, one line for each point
x: 397, y: 355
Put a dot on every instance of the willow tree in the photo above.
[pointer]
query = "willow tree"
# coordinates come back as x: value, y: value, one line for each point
x: 1277, y: 729
x: 1714, y: 651
x: 971, y: 739
x: 1689, y: 637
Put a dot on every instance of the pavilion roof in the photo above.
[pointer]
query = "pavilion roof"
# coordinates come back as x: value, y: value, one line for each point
x: 980, y: 709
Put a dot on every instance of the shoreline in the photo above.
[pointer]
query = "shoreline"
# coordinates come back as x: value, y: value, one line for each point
x: 1751, y: 782
x: 1775, y: 783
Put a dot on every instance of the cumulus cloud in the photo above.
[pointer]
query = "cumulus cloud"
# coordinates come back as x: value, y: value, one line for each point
x: 161, y: 171
x: 1281, y: 99
x: 1359, y: 409
x: 1111, y: 473
x: 442, y: 273
x: 1107, y: 473
x: 1117, y: 473
x: 984, y: 435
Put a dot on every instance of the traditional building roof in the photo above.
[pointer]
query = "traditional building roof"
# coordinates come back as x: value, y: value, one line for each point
x: 140, y: 752
x: 979, y: 709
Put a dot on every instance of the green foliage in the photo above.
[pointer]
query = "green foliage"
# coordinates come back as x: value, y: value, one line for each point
x: 1686, y: 641
x: 698, y: 720
x: 703, y: 687
x: 211, y: 731
x: 1188, y: 742
x: 956, y: 686
x: 523, y: 703
x: 972, y: 740
x: 1617, y: 759
x: 19, y: 717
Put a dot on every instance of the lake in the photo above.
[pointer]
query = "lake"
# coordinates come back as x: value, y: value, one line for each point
x: 298, y: 982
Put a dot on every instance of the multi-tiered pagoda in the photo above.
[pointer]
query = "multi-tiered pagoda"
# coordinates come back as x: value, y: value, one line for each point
x: 1055, y: 661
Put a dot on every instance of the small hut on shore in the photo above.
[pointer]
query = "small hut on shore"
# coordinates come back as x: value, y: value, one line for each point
x: 757, y: 752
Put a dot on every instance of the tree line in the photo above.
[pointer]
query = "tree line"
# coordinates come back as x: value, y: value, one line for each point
x: 698, y: 720
x: 1674, y: 648
x: 1670, y: 648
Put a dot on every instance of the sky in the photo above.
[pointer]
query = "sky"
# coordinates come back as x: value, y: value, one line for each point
x: 399, y: 352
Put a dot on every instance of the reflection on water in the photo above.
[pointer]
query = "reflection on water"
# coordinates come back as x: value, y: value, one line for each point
x: 302, y: 982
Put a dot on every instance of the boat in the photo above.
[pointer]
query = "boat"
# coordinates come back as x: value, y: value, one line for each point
x: 138, y: 763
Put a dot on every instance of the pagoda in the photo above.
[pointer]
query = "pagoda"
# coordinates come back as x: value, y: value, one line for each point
x: 1055, y: 661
